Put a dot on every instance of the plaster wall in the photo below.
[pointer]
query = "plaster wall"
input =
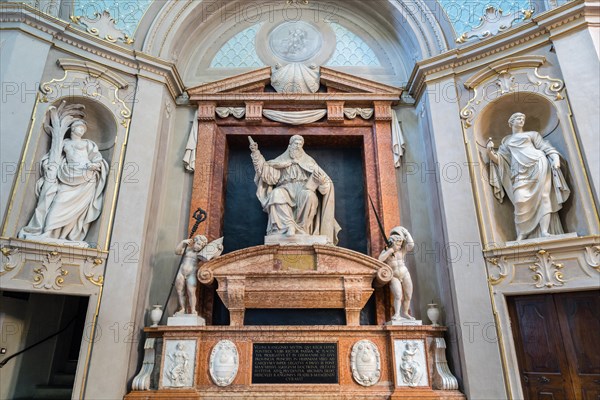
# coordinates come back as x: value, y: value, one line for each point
x: 20, y: 84
x: 583, y: 86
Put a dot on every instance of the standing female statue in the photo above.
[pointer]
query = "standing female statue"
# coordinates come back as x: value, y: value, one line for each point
x: 527, y: 168
x: 70, y: 191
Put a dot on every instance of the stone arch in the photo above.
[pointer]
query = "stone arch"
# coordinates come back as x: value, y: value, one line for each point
x: 185, y: 31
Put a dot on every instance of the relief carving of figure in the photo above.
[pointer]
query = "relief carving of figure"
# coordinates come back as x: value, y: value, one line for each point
x: 411, y: 370
x: 401, y: 284
x: 70, y: 191
x: 295, y: 192
x: 180, y: 369
x: 527, y: 168
x: 194, y: 250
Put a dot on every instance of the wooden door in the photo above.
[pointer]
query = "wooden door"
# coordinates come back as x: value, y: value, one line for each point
x: 558, y: 347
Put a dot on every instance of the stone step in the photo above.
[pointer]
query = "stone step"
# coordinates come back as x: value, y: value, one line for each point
x: 48, y: 392
x: 70, y: 367
x: 62, y: 379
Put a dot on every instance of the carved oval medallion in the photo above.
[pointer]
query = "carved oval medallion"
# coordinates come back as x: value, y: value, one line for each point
x: 224, y: 363
x: 295, y: 41
x: 366, y: 363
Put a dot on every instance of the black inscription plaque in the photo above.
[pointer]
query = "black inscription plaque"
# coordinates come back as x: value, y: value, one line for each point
x: 295, y: 363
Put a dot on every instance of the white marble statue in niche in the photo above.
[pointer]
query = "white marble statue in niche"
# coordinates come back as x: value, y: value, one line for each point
x: 527, y: 169
x: 70, y: 191
x: 296, y: 193
x: 194, y: 250
x: 401, y: 284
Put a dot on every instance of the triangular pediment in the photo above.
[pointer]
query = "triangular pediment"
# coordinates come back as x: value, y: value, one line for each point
x: 256, y: 82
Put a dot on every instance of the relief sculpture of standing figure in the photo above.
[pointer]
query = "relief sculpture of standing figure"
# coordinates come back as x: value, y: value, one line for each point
x: 401, y: 284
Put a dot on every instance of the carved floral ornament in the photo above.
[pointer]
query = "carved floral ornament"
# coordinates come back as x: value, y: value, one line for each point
x: 547, y: 272
x: 103, y: 26
x: 50, y: 270
x: 511, y: 75
x: 494, y: 22
x: 496, y: 277
x: 592, y: 257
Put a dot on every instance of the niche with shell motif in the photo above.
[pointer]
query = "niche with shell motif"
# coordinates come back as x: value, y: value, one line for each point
x: 516, y: 86
x: 71, y: 184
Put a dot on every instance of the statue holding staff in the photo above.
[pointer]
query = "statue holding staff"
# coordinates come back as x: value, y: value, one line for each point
x: 527, y: 169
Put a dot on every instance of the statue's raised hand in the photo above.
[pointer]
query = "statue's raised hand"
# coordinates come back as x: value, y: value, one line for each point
x: 253, y: 145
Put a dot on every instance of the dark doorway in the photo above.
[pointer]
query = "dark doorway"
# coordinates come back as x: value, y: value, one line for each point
x: 556, y: 338
x: 54, y: 326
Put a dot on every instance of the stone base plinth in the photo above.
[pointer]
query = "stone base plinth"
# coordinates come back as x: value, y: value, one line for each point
x: 186, y: 320
x: 405, y: 322
x: 305, y: 240
x: 237, y: 350
x: 541, y: 239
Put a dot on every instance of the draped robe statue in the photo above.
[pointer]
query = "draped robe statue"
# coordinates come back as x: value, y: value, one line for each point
x: 527, y: 168
x: 70, y: 191
x: 296, y: 193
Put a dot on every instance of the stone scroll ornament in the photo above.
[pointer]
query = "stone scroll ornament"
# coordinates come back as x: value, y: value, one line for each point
x: 365, y: 361
x: 526, y: 168
x: 70, y: 191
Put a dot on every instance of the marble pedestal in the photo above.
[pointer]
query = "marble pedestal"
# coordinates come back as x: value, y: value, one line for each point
x: 306, y: 240
x: 539, y: 240
x: 405, y: 322
x: 222, y: 363
x: 186, y: 320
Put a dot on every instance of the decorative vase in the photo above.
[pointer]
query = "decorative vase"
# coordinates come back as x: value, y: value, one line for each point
x: 433, y: 313
x: 156, y: 315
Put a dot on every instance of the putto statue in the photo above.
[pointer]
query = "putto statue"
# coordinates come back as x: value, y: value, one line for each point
x: 296, y: 193
x: 401, y: 284
x: 194, y: 250
x: 527, y: 168
x: 70, y: 191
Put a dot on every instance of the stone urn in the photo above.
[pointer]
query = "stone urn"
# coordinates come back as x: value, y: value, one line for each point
x: 433, y: 313
x: 156, y: 315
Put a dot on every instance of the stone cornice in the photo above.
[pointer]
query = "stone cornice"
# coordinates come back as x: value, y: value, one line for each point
x: 63, y: 35
x: 531, y: 34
